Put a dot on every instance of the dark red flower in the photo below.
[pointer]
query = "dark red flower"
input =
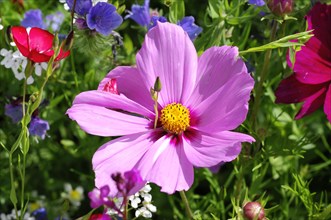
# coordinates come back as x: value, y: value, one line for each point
x: 311, y: 81
x: 36, y: 44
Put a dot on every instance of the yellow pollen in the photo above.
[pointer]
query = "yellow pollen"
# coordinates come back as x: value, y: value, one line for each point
x: 175, y: 118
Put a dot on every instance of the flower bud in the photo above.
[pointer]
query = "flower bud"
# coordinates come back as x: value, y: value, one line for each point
x: 157, y: 85
x: 254, y: 210
x: 68, y: 42
x: 280, y: 7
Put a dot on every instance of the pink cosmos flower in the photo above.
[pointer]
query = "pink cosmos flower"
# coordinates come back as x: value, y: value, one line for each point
x: 311, y: 81
x: 200, y: 101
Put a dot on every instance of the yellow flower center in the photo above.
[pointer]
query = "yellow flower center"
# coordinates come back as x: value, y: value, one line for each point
x: 75, y: 195
x: 175, y: 118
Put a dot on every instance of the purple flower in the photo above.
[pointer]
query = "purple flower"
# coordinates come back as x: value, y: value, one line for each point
x: 140, y: 14
x: 130, y: 183
x: 14, y: 112
x: 193, y: 30
x: 99, y: 197
x: 33, y: 18
x: 202, y: 99
x: 256, y: 2
x: 38, y: 127
x: 54, y: 21
x: 82, y: 7
x: 103, y: 18
x: 154, y: 21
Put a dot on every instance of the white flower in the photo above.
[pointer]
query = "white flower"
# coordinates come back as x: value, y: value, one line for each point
x: 94, y: 2
x: 66, y: 7
x: 12, y: 216
x: 15, y: 61
x: 75, y: 196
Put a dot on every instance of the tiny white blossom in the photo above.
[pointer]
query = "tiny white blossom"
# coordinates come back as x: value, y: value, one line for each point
x: 1, y: 26
x: 15, y: 61
x: 12, y: 216
x: 94, y: 2
x: 75, y: 196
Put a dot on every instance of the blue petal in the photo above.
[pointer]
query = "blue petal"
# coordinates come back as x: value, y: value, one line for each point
x: 33, y: 18
x: 54, y: 21
x: 40, y: 214
x: 103, y: 18
x: 14, y: 112
x: 82, y: 6
x: 256, y: 2
x: 140, y: 14
x: 38, y: 127
x: 193, y: 30
x: 154, y: 21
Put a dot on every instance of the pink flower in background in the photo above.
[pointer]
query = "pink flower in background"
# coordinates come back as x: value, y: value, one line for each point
x: 200, y: 101
x: 311, y: 81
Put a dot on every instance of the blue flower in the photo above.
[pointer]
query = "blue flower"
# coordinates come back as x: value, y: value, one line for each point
x: 193, y: 30
x: 33, y: 18
x: 54, y: 21
x: 40, y: 214
x: 38, y: 127
x: 82, y: 7
x: 256, y: 2
x: 154, y: 21
x: 14, y: 112
x: 140, y: 14
x: 103, y: 18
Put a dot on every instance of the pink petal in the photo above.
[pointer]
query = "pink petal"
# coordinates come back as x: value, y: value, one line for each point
x: 327, y: 104
x: 206, y: 150
x: 119, y: 155
x: 63, y: 54
x: 21, y: 39
x: 217, y: 65
x: 37, y: 57
x: 312, y: 103
x: 227, y: 107
x: 113, y: 101
x: 166, y: 165
x: 131, y: 84
x: 101, y: 121
x: 169, y: 53
x: 41, y: 41
x: 291, y: 90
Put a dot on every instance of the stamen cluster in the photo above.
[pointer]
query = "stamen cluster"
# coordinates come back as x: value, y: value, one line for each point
x: 175, y: 118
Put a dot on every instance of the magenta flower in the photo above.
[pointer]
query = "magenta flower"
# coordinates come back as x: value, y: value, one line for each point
x: 200, y: 101
x: 99, y: 197
x: 311, y: 81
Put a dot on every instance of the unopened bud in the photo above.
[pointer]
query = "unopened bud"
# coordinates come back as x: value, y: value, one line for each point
x: 8, y: 36
x: 68, y: 42
x: 157, y: 85
x: 280, y: 7
x: 253, y: 211
x: 55, y: 41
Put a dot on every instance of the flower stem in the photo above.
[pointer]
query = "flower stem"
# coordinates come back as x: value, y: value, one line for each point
x: 156, y: 110
x: 263, y: 76
x: 187, y: 206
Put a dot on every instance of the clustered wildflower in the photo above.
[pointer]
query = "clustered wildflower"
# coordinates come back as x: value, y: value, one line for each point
x: 101, y: 17
x: 201, y: 100
x: 145, y: 17
x: 144, y: 198
x: 311, y: 81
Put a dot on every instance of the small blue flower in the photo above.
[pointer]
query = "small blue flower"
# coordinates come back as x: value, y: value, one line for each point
x: 140, y: 14
x: 193, y: 30
x: 40, y: 214
x: 14, y: 112
x: 154, y: 21
x: 54, y: 21
x: 256, y: 2
x: 38, y: 127
x: 103, y: 18
x: 82, y: 7
x: 33, y: 18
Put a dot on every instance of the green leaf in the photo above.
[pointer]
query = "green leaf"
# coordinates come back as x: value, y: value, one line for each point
x: 177, y: 11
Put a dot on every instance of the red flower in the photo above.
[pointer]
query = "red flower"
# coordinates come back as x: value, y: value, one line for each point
x: 311, y: 81
x: 36, y: 44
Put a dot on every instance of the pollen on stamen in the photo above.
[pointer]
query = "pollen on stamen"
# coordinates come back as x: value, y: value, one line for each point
x: 175, y: 118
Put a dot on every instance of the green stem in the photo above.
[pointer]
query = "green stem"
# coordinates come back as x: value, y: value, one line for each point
x: 156, y: 110
x: 12, y: 191
x: 187, y: 206
x: 263, y: 76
